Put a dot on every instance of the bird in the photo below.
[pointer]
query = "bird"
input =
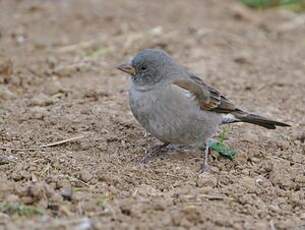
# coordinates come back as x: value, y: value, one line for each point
x: 178, y: 107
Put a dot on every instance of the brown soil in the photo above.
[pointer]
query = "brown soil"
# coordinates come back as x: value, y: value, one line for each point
x: 58, y: 81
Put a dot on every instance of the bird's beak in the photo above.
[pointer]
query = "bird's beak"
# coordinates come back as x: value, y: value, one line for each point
x: 127, y: 68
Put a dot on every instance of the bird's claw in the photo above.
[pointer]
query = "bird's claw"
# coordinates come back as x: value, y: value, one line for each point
x: 204, y: 168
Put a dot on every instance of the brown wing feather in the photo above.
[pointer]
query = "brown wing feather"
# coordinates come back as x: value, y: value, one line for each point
x: 208, y: 97
x: 212, y: 100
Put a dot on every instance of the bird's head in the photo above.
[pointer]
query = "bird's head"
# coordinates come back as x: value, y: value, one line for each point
x: 149, y: 67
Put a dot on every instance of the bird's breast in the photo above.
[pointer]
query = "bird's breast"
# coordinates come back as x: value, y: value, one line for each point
x: 169, y: 113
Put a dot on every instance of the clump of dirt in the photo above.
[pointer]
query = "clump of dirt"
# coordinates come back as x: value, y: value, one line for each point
x: 69, y: 145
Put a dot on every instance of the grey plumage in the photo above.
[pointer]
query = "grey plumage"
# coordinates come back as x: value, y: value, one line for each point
x: 176, y: 106
x: 162, y: 112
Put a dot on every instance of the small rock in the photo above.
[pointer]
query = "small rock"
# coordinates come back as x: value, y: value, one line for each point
x: 206, y: 180
x: 41, y: 100
x: 37, y: 113
x: 64, y: 71
x: 5, y: 93
x: 84, y: 224
x: 85, y: 176
x: 7, y: 159
x: 256, y: 160
x: 67, y: 192
x: 242, y: 58
x: 266, y: 166
x: 147, y: 190
x: 159, y: 205
x: 52, y: 61
x: 262, y: 182
x: 245, y: 171
x: 126, y: 209
x: 20, y: 39
x: 53, y: 87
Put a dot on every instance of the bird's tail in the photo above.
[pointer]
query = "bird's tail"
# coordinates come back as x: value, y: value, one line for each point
x: 242, y: 116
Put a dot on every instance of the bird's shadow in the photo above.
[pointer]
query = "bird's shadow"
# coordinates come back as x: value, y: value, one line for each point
x: 171, y: 151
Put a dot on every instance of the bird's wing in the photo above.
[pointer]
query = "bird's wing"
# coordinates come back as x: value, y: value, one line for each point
x: 208, y: 98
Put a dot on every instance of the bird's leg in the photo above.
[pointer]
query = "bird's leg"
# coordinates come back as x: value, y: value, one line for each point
x: 153, y: 152
x: 205, y: 165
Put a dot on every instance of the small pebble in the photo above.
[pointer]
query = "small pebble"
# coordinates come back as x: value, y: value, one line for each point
x: 41, y: 100
x: 5, y: 93
x: 67, y: 192
x: 54, y: 87
x: 85, y: 176
x: 206, y: 180
x: 37, y: 113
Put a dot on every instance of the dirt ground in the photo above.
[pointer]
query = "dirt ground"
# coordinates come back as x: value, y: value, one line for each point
x: 58, y: 81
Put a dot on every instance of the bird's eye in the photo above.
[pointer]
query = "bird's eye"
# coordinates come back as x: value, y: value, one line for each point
x: 143, y: 67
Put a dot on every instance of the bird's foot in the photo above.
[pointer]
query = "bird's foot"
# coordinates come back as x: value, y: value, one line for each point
x: 205, y: 168
x: 154, y: 152
x: 220, y: 148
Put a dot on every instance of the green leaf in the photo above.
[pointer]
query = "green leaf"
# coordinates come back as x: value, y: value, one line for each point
x: 262, y: 4
x: 257, y: 3
x: 222, y: 149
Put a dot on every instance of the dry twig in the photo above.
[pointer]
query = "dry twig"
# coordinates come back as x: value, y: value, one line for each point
x: 41, y: 147
x: 62, y: 142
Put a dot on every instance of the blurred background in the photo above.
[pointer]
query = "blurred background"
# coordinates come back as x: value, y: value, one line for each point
x: 64, y: 37
x: 58, y: 81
